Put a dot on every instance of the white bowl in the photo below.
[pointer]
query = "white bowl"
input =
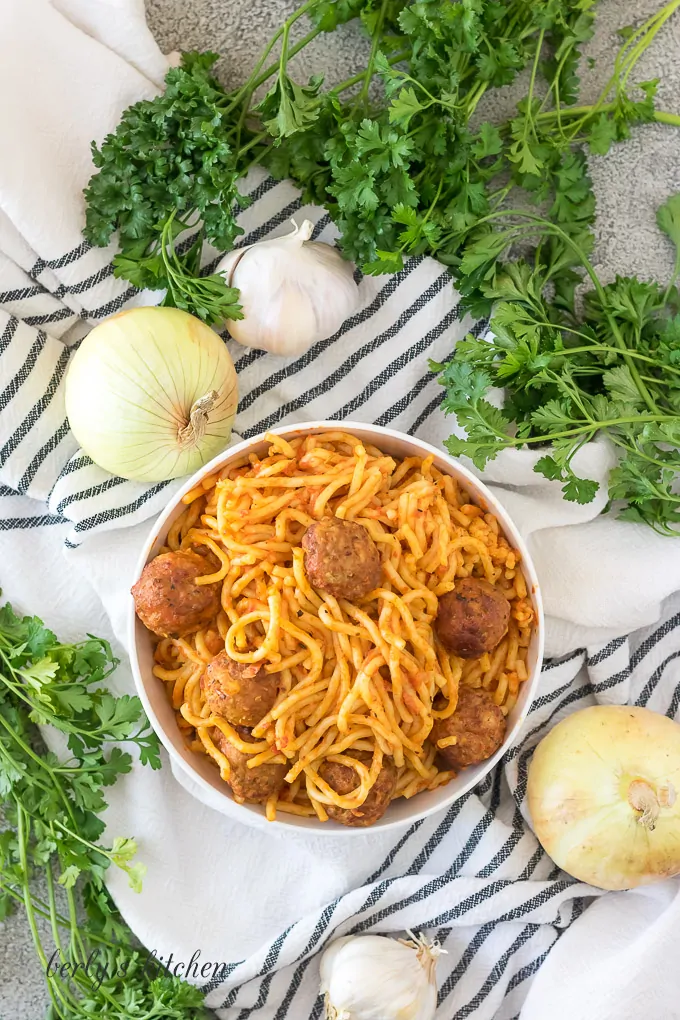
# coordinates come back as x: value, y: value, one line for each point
x: 204, y: 778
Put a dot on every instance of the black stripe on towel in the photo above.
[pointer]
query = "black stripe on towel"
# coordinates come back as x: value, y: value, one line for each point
x: 115, y: 513
x: 25, y: 523
x: 395, y: 366
x: 44, y: 451
x: 350, y: 363
x: 38, y: 408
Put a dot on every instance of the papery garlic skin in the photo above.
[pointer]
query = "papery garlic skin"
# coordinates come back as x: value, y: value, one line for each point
x: 293, y: 291
x: 372, y: 977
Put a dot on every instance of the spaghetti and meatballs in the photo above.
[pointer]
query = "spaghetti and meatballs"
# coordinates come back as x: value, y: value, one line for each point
x: 336, y: 627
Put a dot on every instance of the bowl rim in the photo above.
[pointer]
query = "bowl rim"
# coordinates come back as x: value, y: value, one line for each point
x: 245, y: 813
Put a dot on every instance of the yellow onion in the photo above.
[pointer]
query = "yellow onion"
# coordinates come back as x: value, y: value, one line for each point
x: 603, y: 796
x: 151, y: 394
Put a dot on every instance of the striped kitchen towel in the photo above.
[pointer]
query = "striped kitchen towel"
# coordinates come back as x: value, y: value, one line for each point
x: 263, y: 905
x: 86, y: 67
x: 374, y: 368
x: 477, y: 880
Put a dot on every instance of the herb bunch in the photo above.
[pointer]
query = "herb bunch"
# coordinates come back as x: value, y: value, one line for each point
x: 50, y: 807
x: 405, y: 174
x: 405, y: 164
x: 611, y: 370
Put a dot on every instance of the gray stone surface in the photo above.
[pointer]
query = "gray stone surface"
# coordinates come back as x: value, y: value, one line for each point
x: 630, y: 182
x: 22, y: 988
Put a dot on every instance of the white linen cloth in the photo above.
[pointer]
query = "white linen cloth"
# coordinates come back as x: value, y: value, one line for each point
x: 260, y: 902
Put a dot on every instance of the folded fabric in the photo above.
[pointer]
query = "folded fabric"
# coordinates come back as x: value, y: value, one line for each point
x: 88, y: 63
x: 473, y: 876
x: 617, y: 962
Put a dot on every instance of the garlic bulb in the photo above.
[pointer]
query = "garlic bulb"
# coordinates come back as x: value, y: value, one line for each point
x: 373, y: 977
x: 293, y: 291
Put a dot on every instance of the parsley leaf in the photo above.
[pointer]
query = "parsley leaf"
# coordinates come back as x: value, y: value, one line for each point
x: 668, y: 218
x: 580, y: 490
x: 288, y: 107
x: 403, y: 107
x: 488, y: 142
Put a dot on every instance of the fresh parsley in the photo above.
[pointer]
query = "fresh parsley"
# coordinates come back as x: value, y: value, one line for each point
x: 51, y: 823
x: 610, y: 369
x: 400, y: 157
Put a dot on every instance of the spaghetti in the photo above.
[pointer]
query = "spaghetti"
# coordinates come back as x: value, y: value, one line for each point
x: 353, y: 676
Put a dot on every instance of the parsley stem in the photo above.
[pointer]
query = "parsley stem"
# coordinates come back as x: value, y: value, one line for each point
x: 576, y: 447
x: 77, y: 947
x: 291, y: 52
x: 553, y: 228
x: 249, y: 87
x: 283, y: 58
x: 634, y: 448
x: 660, y: 116
x: 375, y: 45
x: 434, y: 201
x: 589, y: 427
x: 553, y: 84
x: 7, y: 757
x: 498, y: 197
x: 22, y: 837
x: 667, y: 118
x: 654, y: 25
x: 571, y: 391
x: 637, y: 43
x: 255, y: 79
x: 56, y: 935
x: 574, y: 111
x: 254, y: 141
x: 39, y: 761
x: 657, y: 382
x: 40, y: 908
x: 528, y: 119
x: 356, y: 78
x: 85, y: 842
x: 474, y: 98
x: 596, y: 346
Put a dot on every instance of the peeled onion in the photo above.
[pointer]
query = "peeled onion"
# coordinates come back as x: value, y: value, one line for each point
x: 151, y: 394
x: 603, y: 796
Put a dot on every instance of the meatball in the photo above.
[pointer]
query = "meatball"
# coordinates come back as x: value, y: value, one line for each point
x: 167, y: 599
x: 254, y: 785
x: 478, y: 724
x: 344, y: 779
x: 473, y: 618
x: 341, y: 558
x: 240, y: 692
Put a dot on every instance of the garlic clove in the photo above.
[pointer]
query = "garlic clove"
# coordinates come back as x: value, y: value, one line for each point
x: 229, y: 263
x: 328, y: 960
x: 284, y: 322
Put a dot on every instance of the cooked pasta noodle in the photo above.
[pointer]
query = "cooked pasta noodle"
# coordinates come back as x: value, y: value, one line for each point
x: 368, y: 675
